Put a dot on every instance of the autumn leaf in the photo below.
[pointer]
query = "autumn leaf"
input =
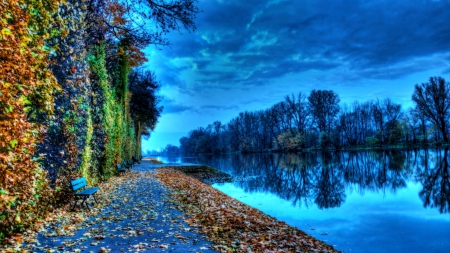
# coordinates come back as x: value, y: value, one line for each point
x: 5, y: 32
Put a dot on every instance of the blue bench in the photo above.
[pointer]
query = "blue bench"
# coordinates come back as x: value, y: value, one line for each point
x: 82, y: 193
x: 122, y: 168
x: 135, y: 160
x: 128, y: 164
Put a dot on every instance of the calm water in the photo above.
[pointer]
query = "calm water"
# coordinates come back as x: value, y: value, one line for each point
x: 390, y: 201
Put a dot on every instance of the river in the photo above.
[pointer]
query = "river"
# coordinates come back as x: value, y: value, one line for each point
x: 365, y: 201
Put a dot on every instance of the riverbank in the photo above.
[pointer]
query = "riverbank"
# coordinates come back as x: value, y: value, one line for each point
x: 232, y: 225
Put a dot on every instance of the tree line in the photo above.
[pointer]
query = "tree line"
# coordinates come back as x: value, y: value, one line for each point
x: 319, y: 121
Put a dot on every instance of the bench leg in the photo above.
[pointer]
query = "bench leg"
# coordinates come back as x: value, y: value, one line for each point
x: 74, y: 205
x: 85, y: 203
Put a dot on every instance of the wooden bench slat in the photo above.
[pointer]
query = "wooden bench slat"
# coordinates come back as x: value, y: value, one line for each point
x: 88, y: 191
x: 78, y: 183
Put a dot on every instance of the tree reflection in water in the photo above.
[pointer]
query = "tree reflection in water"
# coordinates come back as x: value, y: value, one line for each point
x: 436, y: 183
x: 323, y: 178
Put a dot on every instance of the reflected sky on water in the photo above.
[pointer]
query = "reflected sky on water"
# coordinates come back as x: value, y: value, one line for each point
x: 385, y: 201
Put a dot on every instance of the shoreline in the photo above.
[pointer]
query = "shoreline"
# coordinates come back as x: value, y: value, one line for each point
x: 341, y: 149
x: 232, y: 225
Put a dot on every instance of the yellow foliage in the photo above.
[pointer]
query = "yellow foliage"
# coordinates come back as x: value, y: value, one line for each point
x: 25, y: 81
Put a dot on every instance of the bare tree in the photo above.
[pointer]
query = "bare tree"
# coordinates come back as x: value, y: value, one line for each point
x: 413, y: 123
x: 348, y: 120
x: 324, y: 106
x: 393, y: 126
x: 379, y: 118
x: 433, y: 100
x: 299, y: 110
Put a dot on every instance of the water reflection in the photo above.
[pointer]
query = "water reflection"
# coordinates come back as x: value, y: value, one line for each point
x: 436, y: 184
x: 323, y: 178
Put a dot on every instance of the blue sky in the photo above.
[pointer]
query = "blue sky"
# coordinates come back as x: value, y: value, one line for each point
x: 248, y: 55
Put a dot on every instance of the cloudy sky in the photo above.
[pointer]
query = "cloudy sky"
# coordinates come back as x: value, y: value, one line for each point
x: 247, y: 55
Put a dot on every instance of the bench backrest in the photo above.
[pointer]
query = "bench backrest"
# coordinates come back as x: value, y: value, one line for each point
x: 78, y: 183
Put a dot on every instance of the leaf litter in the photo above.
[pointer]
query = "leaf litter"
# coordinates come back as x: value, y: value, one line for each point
x: 232, y: 225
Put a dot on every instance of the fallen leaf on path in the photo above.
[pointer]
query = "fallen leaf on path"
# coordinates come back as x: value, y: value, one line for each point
x: 232, y: 225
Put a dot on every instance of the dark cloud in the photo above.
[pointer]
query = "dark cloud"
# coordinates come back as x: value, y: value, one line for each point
x: 214, y: 79
x: 365, y: 33
x: 388, y: 72
x: 288, y: 67
x: 256, y: 41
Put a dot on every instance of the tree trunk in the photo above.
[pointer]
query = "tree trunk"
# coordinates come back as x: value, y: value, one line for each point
x: 444, y: 131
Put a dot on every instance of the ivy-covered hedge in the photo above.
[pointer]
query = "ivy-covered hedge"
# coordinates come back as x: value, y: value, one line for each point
x: 27, y: 89
x: 60, y: 115
x: 117, y: 122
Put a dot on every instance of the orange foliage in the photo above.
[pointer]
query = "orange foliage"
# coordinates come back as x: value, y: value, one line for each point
x: 135, y: 56
x: 116, y: 17
x: 25, y: 82
x: 116, y: 12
